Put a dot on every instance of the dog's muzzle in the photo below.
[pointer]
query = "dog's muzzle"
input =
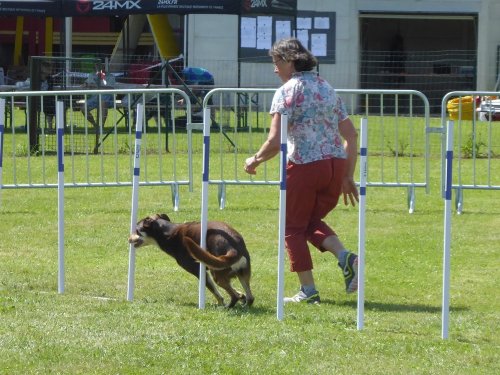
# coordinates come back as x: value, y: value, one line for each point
x: 136, y: 240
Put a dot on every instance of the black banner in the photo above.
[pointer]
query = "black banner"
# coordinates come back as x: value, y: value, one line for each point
x: 35, y: 8
x: 76, y: 8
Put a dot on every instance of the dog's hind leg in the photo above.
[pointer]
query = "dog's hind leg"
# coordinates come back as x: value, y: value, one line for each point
x: 223, y: 280
x: 244, y: 278
x: 193, y: 268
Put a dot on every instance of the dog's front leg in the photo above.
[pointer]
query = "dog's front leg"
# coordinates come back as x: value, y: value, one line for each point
x: 193, y: 267
x: 211, y: 286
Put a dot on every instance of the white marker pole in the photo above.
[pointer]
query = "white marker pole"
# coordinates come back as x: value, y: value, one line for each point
x: 204, y: 204
x: 363, y: 171
x: 2, y: 130
x: 60, y: 192
x: 135, y: 198
x: 282, y: 219
x: 447, y: 230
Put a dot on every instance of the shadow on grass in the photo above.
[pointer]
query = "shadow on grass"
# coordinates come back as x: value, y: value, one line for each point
x: 261, y: 310
x: 395, y: 307
x: 238, y: 309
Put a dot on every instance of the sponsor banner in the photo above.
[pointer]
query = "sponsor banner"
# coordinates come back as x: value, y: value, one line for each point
x: 75, y: 8
x: 269, y: 7
x: 125, y: 7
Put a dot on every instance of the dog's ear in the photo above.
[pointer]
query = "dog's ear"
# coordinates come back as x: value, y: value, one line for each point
x: 146, y: 222
x: 164, y: 217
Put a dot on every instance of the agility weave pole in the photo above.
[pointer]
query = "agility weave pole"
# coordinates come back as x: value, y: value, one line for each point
x: 204, y: 203
x: 363, y: 172
x: 2, y: 130
x: 282, y: 219
x: 60, y: 193
x: 135, y: 198
x: 447, y: 230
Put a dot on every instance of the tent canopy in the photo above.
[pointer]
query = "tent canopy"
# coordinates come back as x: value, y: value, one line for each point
x: 76, y: 8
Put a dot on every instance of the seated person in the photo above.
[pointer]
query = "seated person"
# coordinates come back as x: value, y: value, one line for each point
x: 200, y: 81
x: 151, y: 104
x: 99, y: 80
x: 49, y: 102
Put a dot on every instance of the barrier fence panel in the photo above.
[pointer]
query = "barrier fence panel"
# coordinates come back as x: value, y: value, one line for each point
x: 399, y: 136
x: 240, y: 124
x: 399, y: 128
x: 99, y: 141
x: 476, y: 141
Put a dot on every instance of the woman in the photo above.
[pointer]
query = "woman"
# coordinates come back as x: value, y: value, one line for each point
x: 322, y: 154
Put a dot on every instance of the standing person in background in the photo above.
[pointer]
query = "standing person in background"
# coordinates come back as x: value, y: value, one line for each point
x: 322, y: 155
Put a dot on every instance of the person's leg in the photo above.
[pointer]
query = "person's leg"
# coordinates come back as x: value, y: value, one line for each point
x: 326, y: 200
x: 50, y: 121
x: 102, y: 104
x: 92, y: 121
x: 322, y: 236
x: 307, y: 292
x: 94, y: 103
x: 302, y: 182
x: 87, y: 109
x: 104, y: 113
x: 300, y: 197
x: 106, y: 102
x: 333, y: 245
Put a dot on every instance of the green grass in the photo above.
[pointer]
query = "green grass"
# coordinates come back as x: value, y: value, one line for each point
x: 92, y: 329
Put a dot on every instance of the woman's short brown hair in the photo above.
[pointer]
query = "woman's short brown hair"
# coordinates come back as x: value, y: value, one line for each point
x: 292, y: 50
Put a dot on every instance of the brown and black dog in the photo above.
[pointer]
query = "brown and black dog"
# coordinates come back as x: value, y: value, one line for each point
x: 226, y: 256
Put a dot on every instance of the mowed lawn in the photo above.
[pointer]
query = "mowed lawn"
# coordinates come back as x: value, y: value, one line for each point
x: 92, y: 328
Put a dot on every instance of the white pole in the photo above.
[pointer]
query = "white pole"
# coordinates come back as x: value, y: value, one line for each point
x: 68, y: 44
x: 204, y: 204
x: 60, y: 192
x: 2, y: 130
x: 363, y: 171
x: 135, y: 199
x: 282, y: 218
x: 447, y: 230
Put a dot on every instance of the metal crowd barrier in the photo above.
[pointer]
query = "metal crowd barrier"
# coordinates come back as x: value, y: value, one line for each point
x: 398, y: 122
x: 101, y: 155
x: 239, y: 124
x: 476, y: 143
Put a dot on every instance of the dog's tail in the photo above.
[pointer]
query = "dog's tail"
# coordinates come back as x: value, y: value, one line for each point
x: 211, y: 261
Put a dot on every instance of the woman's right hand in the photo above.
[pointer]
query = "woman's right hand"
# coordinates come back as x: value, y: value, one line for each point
x: 250, y: 164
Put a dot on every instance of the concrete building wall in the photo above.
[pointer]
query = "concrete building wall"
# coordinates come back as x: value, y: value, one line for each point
x: 488, y: 44
x: 213, y: 45
x: 213, y: 40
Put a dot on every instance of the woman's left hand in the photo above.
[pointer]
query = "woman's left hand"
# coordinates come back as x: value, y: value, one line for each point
x: 350, y: 190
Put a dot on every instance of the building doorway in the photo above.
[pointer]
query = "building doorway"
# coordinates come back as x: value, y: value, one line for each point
x: 431, y: 53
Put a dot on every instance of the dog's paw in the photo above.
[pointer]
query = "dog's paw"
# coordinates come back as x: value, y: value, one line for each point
x: 246, y: 302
